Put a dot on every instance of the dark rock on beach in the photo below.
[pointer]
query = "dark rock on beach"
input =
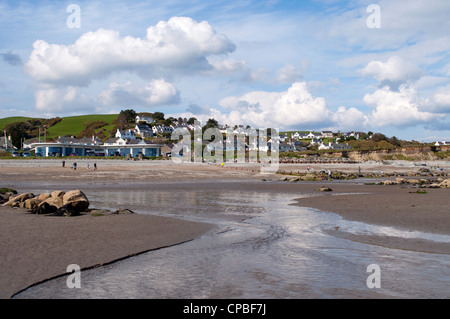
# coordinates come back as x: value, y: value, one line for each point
x: 58, y: 203
x: 324, y: 189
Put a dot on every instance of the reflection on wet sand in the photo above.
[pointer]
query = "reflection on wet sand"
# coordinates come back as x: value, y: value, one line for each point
x: 263, y: 247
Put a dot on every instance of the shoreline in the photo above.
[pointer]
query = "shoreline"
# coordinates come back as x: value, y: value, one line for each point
x: 393, y: 206
x: 47, y: 245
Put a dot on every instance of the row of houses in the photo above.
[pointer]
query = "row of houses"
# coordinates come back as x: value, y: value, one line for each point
x: 144, y: 130
x: 322, y: 135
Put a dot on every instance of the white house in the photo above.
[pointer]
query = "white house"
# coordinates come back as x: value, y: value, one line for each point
x: 126, y: 134
x: 443, y: 143
x: 143, y: 118
x: 160, y: 129
x: 327, y: 134
x: 350, y: 134
x: 312, y: 135
x: 334, y: 146
x: 143, y: 130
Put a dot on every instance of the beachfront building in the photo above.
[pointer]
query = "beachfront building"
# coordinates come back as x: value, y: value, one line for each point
x: 111, y: 147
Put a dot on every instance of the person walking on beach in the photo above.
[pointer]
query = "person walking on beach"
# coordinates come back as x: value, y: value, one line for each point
x: 74, y: 166
x: 329, y: 174
x: 95, y: 166
x: 87, y: 166
x: 63, y: 163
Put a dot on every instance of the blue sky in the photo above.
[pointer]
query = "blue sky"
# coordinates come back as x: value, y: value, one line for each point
x: 293, y: 65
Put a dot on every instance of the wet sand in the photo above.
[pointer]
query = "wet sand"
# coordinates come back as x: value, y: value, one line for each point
x: 36, y: 248
x: 389, y: 205
x: 40, y: 247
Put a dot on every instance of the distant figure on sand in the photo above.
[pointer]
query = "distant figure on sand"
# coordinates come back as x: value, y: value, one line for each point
x: 87, y: 166
x: 95, y: 166
x: 63, y: 163
x: 329, y: 174
x: 74, y: 166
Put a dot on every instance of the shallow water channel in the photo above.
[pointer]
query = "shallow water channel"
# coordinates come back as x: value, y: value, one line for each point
x: 262, y: 247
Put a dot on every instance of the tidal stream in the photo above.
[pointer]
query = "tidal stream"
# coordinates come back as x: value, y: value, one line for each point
x: 261, y: 247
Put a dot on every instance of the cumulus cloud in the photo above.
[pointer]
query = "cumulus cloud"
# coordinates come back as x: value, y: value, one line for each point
x: 295, y: 107
x: 441, y: 100
x: 178, y: 44
x: 69, y: 99
x: 350, y: 119
x: 155, y: 93
x: 394, y: 72
x: 398, y: 108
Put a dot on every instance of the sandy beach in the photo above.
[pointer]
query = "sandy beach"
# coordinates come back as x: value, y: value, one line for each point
x: 35, y: 248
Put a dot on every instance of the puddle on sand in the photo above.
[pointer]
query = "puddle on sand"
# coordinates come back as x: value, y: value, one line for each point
x: 262, y: 248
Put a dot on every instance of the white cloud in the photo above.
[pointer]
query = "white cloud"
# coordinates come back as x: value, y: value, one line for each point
x: 155, y: 93
x: 227, y: 66
x: 289, y: 74
x: 350, y: 119
x: 178, y: 44
x: 295, y: 107
x: 65, y: 100
x: 393, y: 72
x: 398, y: 109
x: 441, y: 99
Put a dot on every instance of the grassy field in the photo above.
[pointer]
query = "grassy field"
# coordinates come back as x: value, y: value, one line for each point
x: 8, y: 120
x: 71, y: 125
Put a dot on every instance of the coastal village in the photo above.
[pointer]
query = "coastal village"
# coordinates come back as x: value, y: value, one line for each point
x: 147, y: 136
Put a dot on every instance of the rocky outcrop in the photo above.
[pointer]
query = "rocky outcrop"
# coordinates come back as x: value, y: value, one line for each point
x: 425, y: 183
x: 6, y: 194
x: 324, y: 189
x: 75, y: 200
x: 16, y: 201
x: 122, y: 211
x: 445, y: 183
x: 58, y: 203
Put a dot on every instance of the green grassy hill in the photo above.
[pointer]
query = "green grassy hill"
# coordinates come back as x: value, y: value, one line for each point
x: 73, y: 125
x: 8, y: 120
